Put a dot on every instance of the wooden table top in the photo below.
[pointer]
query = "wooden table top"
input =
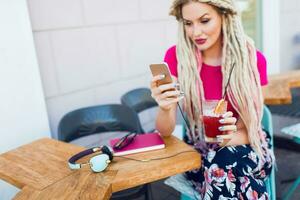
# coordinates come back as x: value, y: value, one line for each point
x: 278, y: 89
x: 40, y: 169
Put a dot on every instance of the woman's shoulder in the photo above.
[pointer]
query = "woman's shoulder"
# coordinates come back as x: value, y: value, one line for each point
x: 171, y: 51
x: 262, y: 67
x: 260, y: 57
x: 171, y: 59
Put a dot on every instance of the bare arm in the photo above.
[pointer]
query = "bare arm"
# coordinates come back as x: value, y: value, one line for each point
x: 166, y: 99
x: 166, y: 120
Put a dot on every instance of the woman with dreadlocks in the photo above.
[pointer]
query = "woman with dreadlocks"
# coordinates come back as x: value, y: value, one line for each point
x: 212, y: 49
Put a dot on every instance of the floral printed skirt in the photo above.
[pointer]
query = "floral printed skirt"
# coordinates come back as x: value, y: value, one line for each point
x: 233, y: 172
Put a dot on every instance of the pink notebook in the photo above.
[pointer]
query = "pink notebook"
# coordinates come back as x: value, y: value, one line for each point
x: 141, y: 143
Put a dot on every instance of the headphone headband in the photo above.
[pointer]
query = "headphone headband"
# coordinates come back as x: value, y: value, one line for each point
x: 103, y: 149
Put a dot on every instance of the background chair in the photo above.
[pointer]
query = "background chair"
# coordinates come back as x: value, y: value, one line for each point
x: 97, y: 119
x: 268, y: 126
x: 140, y: 100
x: 102, y: 120
x: 270, y: 182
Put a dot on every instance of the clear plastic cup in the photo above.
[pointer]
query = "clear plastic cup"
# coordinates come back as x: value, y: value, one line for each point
x: 211, y: 119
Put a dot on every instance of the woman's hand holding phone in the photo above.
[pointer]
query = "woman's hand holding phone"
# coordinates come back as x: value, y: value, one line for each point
x: 163, y: 88
x: 165, y: 95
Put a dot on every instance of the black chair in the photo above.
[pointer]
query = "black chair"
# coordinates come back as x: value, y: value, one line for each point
x: 99, y: 119
x: 139, y: 100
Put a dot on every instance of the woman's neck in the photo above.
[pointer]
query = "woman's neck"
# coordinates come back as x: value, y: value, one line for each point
x: 213, y: 55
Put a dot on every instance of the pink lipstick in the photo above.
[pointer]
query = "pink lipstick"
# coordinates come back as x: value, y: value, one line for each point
x: 200, y: 41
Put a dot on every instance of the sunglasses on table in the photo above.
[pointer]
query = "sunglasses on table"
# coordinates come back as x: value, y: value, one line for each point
x: 124, y: 141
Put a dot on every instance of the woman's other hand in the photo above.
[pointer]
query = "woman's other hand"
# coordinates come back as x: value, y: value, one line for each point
x: 228, y: 126
x: 165, y: 95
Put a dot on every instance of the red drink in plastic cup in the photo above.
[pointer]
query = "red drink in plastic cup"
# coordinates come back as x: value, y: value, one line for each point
x: 211, y: 119
x: 211, y: 126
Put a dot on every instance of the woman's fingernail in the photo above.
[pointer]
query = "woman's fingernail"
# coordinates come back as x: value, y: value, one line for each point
x: 177, y: 86
x: 221, y: 128
x: 222, y: 121
x: 162, y: 76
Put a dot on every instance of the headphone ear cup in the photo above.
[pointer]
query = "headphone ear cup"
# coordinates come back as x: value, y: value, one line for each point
x: 106, y: 150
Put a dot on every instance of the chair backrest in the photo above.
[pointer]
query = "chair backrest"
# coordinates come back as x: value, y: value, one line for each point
x: 97, y: 119
x: 139, y: 100
x: 268, y: 126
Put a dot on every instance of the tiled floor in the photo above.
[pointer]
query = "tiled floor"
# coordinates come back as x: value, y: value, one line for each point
x: 288, y: 166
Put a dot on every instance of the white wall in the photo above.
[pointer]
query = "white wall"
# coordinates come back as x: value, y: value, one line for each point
x: 289, y: 26
x: 23, y: 112
x: 92, y: 51
x: 271, y: 35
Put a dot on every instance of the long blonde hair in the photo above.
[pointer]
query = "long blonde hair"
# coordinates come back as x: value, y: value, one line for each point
x: 244, y: 90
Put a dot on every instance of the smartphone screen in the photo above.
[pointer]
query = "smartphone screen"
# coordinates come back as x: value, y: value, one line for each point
x: 161, y: 68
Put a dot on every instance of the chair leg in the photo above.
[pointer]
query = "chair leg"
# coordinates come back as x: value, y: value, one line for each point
x: 291, y: 189
x: 148, y: 193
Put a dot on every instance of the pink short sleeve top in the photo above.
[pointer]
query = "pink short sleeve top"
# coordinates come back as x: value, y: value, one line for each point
x: 211, y: 76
